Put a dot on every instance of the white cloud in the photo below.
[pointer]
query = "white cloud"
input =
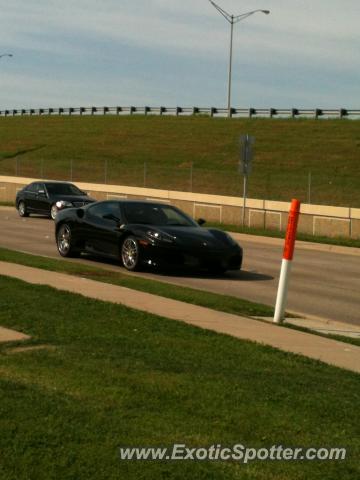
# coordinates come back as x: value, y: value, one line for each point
x: 319, y: 36
x: 187, y: 26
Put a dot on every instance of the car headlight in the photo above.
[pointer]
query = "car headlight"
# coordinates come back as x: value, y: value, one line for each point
x: 63, y: 203
x: 159, y: 237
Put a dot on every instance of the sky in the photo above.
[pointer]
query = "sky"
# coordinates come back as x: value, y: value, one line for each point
x: 305, y: 54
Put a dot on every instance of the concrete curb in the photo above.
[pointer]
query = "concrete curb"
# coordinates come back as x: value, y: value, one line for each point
x: 320, y: 247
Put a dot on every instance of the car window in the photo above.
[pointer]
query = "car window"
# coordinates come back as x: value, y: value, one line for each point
x: 105, y: 208
x: 63, y: 189
x: 148, y: 213
x: 175, y: 217
x: 32, y: 187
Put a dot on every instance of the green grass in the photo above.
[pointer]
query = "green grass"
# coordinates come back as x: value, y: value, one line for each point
x: 340, y: 241
x: 286, y: 151
x: 121, y: 377
x: 214, y: 301
x: 222, y: 303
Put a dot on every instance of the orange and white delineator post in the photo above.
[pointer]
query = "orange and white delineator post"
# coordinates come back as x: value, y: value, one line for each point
x: 286, y: 261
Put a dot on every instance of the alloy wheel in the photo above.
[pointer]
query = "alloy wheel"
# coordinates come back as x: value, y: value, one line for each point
x: 53, y: 211
x: 64, y: 240
x: 22, y: 209
x: 130, y: 253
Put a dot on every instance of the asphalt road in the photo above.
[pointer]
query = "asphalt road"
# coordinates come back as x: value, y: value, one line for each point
x: 325, y: 281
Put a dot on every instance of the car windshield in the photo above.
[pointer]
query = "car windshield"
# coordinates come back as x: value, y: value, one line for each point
x: 63, y: 189
x: 159, y: 215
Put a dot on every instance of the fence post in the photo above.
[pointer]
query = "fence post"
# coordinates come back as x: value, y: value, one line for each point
x: 42, y: 168
x: 105, y: 171
x: 267, y: 186
x: 191, y: 176
x: 16, y: 167
x: 71, y: 170
x: 309, y: 188
x: 144, y: 174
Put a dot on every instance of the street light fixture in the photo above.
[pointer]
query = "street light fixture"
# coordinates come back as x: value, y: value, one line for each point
x: 232, y: 19
x: 6, y: 55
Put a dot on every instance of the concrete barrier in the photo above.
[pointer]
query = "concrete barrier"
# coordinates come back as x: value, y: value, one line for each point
x: 314, y: 219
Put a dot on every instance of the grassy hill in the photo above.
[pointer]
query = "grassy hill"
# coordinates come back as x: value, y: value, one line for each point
x: 190, y: 153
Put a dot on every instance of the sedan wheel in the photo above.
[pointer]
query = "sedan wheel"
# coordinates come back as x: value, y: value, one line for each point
x: 63, y: 241
x: 22, y: 209
x: 53, y: 211
x: 130, y: 254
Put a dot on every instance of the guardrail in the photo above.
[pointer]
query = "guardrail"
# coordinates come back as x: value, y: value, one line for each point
x: 186, y: 111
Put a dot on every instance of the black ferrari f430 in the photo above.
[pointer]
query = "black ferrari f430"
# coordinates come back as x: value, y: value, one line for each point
x: 142, y: 234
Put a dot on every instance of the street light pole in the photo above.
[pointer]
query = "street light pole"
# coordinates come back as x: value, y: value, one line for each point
x: 232, y: 19
x: 230, y: 65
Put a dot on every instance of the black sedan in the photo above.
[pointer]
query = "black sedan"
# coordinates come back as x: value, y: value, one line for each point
x: 47, y: 198
x: 144, y: 233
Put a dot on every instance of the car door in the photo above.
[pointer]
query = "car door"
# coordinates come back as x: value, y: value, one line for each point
x: 30, y: 197
x: 101, y: 228
x: 41, y: 199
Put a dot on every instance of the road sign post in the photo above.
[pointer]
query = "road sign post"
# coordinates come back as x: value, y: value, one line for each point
x: 245, y: 166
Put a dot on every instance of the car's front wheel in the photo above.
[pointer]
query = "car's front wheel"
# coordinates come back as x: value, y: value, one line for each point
x: 130, y: 253
x: 53, y: 211
x: 22, y: 209
x: 64, y: 241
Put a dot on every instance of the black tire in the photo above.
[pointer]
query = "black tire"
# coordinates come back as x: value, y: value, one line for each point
x: 53, y: 211
x: 130, y: 253
x: 64, y: 241
x: 22, y: 209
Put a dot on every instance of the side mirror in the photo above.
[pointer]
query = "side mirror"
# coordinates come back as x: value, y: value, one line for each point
x: 201, y: 221
x: 80, y: 213
x: 42, y: 193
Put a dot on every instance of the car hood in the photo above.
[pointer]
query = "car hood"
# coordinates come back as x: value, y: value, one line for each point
x: 195, y: 236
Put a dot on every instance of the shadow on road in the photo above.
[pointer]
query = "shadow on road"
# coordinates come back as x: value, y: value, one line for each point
x: 254, y: 276
x: 241, y: 276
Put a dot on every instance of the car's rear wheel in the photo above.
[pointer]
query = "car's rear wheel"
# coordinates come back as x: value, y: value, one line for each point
x: 130, y: 253
x: 64, y: 241
x: 22, y: 209
x: 53, y: 211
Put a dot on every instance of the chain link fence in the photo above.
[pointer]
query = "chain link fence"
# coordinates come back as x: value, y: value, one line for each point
x: 325, y: 189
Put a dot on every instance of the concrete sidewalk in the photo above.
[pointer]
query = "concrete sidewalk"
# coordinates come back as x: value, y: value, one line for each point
x: 329, y: 351
x: 321, y: 325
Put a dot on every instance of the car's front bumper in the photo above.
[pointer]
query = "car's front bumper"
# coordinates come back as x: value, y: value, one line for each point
x: 226, y: 259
